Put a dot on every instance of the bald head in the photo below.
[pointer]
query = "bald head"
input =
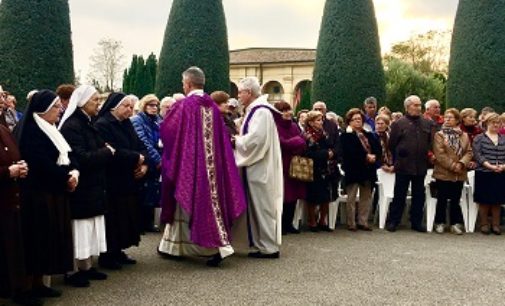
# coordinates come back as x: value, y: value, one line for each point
x: 319, y: 106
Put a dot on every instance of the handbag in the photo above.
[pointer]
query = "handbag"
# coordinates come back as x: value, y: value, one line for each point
x: 301, y: 168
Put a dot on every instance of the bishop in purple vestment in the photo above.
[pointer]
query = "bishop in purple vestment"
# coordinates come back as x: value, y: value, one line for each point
x: 202, y: 194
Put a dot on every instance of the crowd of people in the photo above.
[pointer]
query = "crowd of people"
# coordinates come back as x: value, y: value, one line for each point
x: 82, y: 179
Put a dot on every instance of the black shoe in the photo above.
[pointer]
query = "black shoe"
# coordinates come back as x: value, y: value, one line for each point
x: 419, y: 228
x: 292, y: 230
x: 109, y: 263
x: 152, y: 229
x: 78, y: 280
x: 215, y: 261
x: 314, y: 229
x: 496, y: 230
x: 261, y: 255
x: 325, y: 228
x: 364, y: 228
x: 391, y: 227
x: 94, y: 274
x: 27, y: 299
x: 124, y: 259
x: 45, y: 292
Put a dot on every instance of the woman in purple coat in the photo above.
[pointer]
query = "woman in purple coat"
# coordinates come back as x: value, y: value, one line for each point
x: 292, y: 143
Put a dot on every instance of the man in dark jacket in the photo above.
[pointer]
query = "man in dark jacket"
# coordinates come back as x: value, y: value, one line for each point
x: 333, y: 138
x: 410, y: 141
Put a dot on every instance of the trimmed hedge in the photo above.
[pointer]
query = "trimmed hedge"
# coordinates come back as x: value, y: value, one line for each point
x: 348, y: 65
x: 477, y: 64
x: 195, y: 35
x: 35, y: 45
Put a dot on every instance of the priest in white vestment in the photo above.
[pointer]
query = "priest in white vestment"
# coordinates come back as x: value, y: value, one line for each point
x: 258, y: 153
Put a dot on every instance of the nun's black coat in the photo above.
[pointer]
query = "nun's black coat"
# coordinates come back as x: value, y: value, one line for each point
x: 122, y: 217
x: 89, y: 149
x: 45, y: 211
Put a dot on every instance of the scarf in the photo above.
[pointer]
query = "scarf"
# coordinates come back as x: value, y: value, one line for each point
x: 364, y: 141
x: 387, y: 157
x: 452, y: 137
x: 315, y: 134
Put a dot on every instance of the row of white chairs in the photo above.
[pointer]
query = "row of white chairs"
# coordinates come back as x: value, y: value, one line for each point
x: 386, y: 183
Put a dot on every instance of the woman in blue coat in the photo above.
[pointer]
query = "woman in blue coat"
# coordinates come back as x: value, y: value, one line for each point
x: 147, y: 126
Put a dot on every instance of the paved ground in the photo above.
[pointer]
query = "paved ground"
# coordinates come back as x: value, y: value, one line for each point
x: 316, y: 268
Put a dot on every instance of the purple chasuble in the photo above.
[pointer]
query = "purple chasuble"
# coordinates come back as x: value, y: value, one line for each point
x: 199, y: 172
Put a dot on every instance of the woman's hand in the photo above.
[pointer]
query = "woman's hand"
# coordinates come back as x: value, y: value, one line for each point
x: 371, y: 158
x: 140, y: 171
x: 141, y: 159
x: 18, y: 170
x: 388, y: 169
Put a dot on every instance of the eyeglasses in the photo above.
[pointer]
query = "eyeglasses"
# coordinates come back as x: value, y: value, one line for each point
x: 152, y: 105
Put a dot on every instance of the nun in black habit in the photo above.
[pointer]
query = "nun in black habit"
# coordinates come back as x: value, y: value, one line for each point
x: 124, y: 176
x: 45, y: 210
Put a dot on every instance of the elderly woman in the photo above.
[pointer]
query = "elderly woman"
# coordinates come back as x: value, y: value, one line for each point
x: 361, y: 151
x: 489, y: 153
x: 12, y: 266
x: 147, y: 126
x: 382, y: 123
x: 87, y: 203
x: 469, y: 123
x: 502, y: 120
x: 318, y: 191
x: 453, y: 152
x: 396, y: 116
x: 292, y: 143
x: 45, y: 211
x: 128, y: 166
x: 165, y: 105
x: 221, y: 98
x: 302, y: 117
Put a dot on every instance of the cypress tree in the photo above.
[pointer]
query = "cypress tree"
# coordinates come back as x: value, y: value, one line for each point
x: 139, y: 79
x: 151, y: 67
x: 476, y: 68
x: 35, y: 45
x: 348, y: 64
x: 195, y: 35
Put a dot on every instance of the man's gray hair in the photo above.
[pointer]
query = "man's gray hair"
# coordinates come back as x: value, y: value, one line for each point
x: 252, y: 84
x: 194, y: 75
x: 430, y: 103
x: 409, y: 100
x: 370, y: 100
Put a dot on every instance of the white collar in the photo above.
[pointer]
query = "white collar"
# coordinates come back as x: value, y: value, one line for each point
x: 198, y: 92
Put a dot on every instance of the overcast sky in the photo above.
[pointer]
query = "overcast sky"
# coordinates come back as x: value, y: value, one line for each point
x: 140, y: 25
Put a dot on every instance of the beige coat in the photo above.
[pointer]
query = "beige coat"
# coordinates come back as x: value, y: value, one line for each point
x: 446, y: 158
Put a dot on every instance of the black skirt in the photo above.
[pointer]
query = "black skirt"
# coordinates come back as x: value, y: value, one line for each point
x: 318, y: 192
x: 47, y: 233
x: 489, y: 188
x: 122, y: 222
x: 12, y: 265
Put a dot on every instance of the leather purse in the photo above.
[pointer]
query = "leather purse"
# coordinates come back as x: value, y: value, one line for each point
x: 301, y: 168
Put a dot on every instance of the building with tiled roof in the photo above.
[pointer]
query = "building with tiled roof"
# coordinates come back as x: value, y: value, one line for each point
x: 283, y: 72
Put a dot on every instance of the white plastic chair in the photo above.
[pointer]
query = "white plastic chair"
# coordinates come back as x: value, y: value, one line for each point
x: 473, y: 208
x: 335, y: 205
x: 431, y: 204
x: 299, y: 214
x: 386, y: 186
